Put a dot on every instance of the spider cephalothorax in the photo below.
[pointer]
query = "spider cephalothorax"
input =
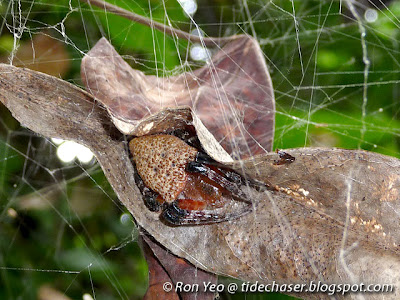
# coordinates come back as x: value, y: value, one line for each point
x: 188, y: 185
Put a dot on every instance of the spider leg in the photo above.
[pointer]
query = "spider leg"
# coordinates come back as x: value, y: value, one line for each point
x: 206, y: 159
x: 191, y: 211
x: 229, y: 180
x: 204, y: 162
x: 221, y: 180
x: 149, y: 196
x: 175, y: 215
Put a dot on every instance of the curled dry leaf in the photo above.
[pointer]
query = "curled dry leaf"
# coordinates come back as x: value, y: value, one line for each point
x: 333, y: 215
x: 234, y: 84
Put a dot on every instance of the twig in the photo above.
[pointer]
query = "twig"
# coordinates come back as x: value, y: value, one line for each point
x: 208, y: 41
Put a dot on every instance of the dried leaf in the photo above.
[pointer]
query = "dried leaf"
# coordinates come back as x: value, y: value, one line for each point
x: 333, y: 216
x: 235, y: 85
x: 158, y: 277
x: 179, y: 272
x: 44, y: 54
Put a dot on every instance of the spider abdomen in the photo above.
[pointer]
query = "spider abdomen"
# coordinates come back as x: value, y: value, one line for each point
x: 161, y: 163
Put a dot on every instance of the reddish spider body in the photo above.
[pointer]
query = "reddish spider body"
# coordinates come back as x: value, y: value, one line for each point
x: 184, y: 182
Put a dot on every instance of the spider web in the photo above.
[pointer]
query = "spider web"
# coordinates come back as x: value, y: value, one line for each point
x: 334, y: 67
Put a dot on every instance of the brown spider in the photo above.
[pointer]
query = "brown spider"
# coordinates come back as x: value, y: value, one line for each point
x: 284, y: 158
x: 185, y: 183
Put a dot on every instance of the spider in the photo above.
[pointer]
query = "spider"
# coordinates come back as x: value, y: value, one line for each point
x: 284, y: 158
x: 187, y: 185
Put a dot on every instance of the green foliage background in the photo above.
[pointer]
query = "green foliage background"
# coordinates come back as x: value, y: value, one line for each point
x: 64, y: 236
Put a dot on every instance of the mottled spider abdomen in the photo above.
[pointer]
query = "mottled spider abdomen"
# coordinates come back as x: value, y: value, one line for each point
x: 161, y: 163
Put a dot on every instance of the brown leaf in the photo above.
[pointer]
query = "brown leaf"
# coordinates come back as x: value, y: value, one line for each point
x: 179, y: 272
x: 44, y: 54
x: 232, y: 94
x: 158, y: 277
x: 333, y: 216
